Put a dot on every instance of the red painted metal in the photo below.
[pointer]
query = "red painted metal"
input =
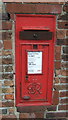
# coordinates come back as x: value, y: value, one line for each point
x: 34, y: 89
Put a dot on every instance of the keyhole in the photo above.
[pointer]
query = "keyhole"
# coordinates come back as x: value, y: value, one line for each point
x: 35, y: 35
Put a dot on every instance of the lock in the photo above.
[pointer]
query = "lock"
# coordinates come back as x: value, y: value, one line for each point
x: 26, y: 97
x: 26, y: 77
x: 35, y: 35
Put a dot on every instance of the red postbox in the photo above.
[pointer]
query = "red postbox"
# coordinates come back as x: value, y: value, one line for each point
x: 35, y: 39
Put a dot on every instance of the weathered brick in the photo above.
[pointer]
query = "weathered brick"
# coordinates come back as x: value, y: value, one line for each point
x: 60, y: 87
x: 6, y: 25
x: 6, y: 53
x: 61, y: 34
x: 58, y: 72
x: 64, y: 94
x: 65, y: 57
x: 64, y: 72
x: 7, y: 44
x: 55, y: 98
x: 65, y: 8
x: 11, y: 110
x: 63, y: 17
x: 63, y: 101
x: 33, y: 8
x: 1, y: 53
x: 8, y: 104
x: 5, y: 35
x: 7, y: 60
x: 64, y: 65
x: 4, y: 111
x: 63, y: 107
x: 51, y: 108
x: 57, y: 115
x: 12, y: 16
x: 7, y: 69
x: 57, y: 64
x: 0, y: 68
x: 63, y: 25
x: 7, y: 76
x: 7, y: 90
x: 1, y: 45
x: 62, y: 41
x: 24, y: 115
x: 9, y: 97
x: 56, y: 80
x: 0, y: 61
x: 65, y: 50
x: 5, y: 16
x: 8, y: 83
x: 63, y: 80
x: 39, y: 115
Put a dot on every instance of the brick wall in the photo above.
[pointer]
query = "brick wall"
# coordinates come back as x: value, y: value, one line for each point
x: 59, y: 108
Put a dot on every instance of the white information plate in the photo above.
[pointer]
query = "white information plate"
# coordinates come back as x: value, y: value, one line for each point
x: 34, y: 62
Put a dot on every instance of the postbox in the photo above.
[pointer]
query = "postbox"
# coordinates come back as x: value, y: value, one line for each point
x: 34, y: 58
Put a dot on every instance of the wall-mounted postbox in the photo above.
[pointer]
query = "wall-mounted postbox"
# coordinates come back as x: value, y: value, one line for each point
x: 35, y: 38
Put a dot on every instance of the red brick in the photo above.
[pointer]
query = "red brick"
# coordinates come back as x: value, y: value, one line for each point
x: 63, y: 25
x: 64, y: 94
x: 39, y: 115
x: 8, y: 104
x: 7, y: 60
x: 33, y: 8
x: 7, y: 44
x: 24, y: 115
x: 6, y: 25
x: 59, y: 115
x: 67, y: 33
x: 12, y: 16
x: 56, y: 80
x: 55, y: 97
x: 9, y: 97
x: 63, y: 80
x: 61, y: 34
x: 57, y: 64
x: 63, y: 107
x: 57, y: 49
x: 64, y: 72
x: 10, y: 117
x: 57, y: 52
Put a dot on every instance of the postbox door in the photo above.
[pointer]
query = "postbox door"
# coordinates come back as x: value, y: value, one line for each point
x: 34, y: 72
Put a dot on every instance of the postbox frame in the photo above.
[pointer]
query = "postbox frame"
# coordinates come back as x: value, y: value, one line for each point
x: 18, y: 48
